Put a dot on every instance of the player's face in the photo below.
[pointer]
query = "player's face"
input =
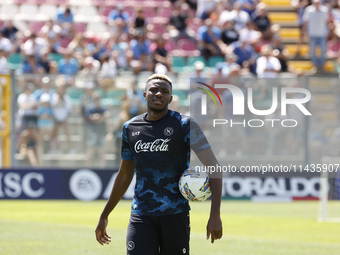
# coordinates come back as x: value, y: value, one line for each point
x: 158, y: 95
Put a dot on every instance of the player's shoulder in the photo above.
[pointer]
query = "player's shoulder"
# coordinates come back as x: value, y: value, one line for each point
x: 137, y: 119
x: 183, y: 118
x: 309, y: 8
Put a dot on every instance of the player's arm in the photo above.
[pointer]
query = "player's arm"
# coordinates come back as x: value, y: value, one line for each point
x: 214, y: 226
x: 120, y: 185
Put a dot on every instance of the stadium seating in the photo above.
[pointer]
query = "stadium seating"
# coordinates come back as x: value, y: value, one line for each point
x: 14, y: 61
x: 283, y: 18
x: 97, y: 28
x: 7, y: 2
x: 47, y: 12
x: 193, y: 59
x: 104, y: 11
x: 8, y: 11
x: 87, y: 13
x: 212, y: 61
x: 164, y: 12
x: 90, y: 17
x: 100, y: 3
x: 124, y: 81
x: 157, y: 29
x: 149, y: 13
x: 183, y: 79
x: 27, y: 12
x: 178, y: 64
x: 35, y: 26
x: 194, y: 25
x: 182, y: 95
x: 170, y: 45
x: 80, y: 2
x: 289, y: 34
x: 75, y: 95
x: 304, y: 65
x: 20, y: 25
x: 277, y: 3
x: 55, y: 57
x: 281, y: 12
x: 80, y: 27
x: 186, y: 48
x: 292, y: 49
x: 64, y: 42
x: 114, y: 97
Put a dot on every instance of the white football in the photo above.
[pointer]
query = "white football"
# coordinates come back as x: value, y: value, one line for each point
x: 194, y: 185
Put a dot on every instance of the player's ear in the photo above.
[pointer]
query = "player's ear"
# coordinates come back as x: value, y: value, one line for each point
x: 170, y: 99
x: 144, y: 95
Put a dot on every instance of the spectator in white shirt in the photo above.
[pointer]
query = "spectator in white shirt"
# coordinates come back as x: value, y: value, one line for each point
x: 5, y: 44
x: 267, y: 66
x: 224, y: 17
x: 27, y: 107
x: 250, y: 34
x: 205, y: 8
x: 62, y: 107
x: 3, y: 62
x: 239, y: 16
x: 109, y: 67
x: 34, y: 45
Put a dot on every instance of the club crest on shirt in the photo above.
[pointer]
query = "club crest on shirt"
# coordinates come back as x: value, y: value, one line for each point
x: 130, y: 245
x: 168, y: 131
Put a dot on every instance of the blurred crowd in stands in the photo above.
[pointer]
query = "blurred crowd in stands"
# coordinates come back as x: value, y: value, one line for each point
x: 141, y: 37
x: 43, y: 121
x: 232, y: 37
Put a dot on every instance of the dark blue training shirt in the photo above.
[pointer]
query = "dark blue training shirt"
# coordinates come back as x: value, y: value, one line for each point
x: 161, y: 150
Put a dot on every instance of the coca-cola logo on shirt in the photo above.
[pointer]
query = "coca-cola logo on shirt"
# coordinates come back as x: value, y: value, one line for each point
x: 157, y: 145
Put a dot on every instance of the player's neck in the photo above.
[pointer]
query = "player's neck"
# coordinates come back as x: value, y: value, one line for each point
x: 154, y: 115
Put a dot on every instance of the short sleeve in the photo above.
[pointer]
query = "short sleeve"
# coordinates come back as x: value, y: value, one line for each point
x: 305, y: 16
x: 194, y: 136
x: 126, y: 152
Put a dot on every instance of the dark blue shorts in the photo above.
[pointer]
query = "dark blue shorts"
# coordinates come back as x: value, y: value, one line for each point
x: 158, y: 235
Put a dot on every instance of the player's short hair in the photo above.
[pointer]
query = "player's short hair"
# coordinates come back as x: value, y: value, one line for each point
x: 159, y: 77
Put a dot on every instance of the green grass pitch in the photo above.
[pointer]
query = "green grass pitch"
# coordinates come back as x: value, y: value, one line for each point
x: 67, y: 228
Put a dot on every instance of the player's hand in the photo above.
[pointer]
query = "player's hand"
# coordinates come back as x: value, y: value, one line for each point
x: 214, y: 228
x: 101, y: 235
